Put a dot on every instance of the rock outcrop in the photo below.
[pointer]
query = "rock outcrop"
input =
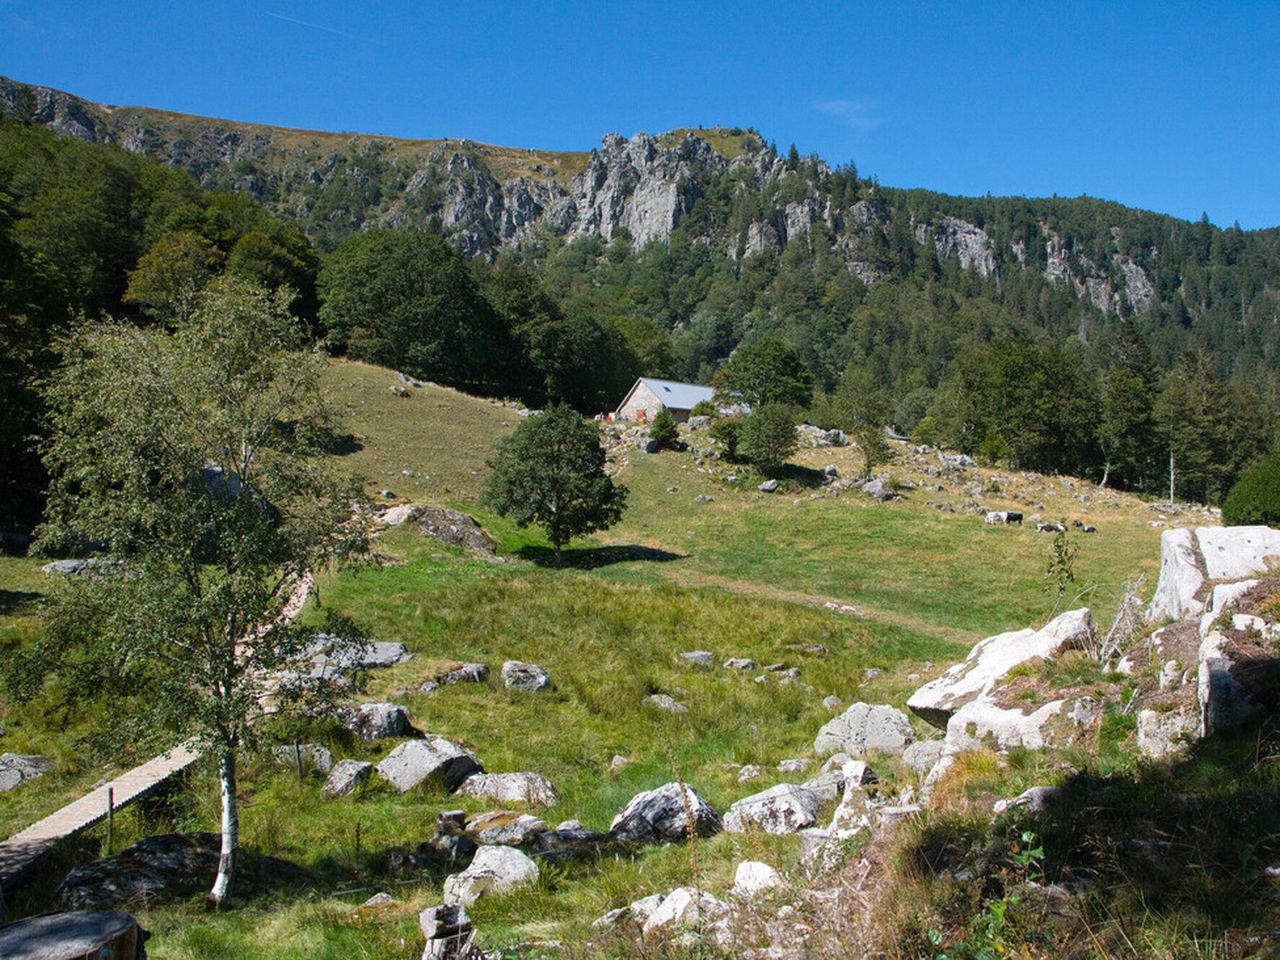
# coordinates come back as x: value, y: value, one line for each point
x: 671, y: 812
x: 430, y: 759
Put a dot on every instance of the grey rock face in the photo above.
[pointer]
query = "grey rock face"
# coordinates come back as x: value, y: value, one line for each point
x: 865, y: 729
x: 78, y: 933
x: 378, y: 721
x: 785, y: 808
x: 495, y: 870
x: 922, y: 755
x: 528, y: 677
x: 19, y: 768
x: 431, y: 758
x: 699, y: 658
x: 313, y: 756
x: 661, y: 814
x: 516, y: 788
x: 505, y: 827
x: 1160, y: 734
x: 345, y: 777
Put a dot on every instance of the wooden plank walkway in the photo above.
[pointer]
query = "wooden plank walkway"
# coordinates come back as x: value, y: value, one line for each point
x: 24, y: 848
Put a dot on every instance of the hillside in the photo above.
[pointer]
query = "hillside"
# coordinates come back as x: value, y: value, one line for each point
x: 852, y: 598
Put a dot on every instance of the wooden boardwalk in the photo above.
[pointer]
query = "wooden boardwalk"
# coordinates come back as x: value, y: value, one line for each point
x: 27, y: 846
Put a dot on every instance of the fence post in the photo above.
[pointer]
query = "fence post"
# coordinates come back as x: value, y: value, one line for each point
x: 297, y: 757
x: 111, y: 819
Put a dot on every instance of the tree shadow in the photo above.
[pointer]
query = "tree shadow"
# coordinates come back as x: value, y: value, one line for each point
x: 808, y: 477
x: 15, y: 601
x: 342, y: 445
x: 590, y: 558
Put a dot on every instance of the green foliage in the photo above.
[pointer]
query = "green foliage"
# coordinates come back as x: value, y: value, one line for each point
x: 727, y: 431
x: 768, y: 437
x: 1061, y: 569
x: 664, y: 429
x: 994, y: 449
x: 1255, y: 497
x: 704, y: 408
x: 766, y: 371
x: 550, y: 472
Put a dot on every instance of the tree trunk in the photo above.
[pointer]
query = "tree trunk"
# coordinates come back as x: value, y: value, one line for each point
x: 559, y: 556
x: 1171, y: 500
x: 230, y: 832
x: 1106, y: 472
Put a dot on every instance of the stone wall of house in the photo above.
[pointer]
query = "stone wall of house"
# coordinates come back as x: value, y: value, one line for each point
x: 643, y: 403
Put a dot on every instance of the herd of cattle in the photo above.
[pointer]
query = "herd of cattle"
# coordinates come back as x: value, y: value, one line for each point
x: 1012, y: 516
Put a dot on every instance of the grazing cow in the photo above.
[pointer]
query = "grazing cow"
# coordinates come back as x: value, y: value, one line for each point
x: 1090, y: 529
x: 996, y: 516
x: 1050, y: 528
x: 1013, y: 517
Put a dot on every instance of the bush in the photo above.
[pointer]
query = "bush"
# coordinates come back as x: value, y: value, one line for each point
x: 704, y: 408
x: 727, y: 431
x: 664, y: 429
x: 769, y: 437
x: 1255, y: 498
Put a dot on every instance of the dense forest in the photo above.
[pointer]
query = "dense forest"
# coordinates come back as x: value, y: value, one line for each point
x: 1046, y: 353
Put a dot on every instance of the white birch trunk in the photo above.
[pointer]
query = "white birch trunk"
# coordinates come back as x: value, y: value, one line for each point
x: 230, y: 831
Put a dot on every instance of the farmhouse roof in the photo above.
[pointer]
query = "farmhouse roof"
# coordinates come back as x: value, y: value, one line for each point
x: 676, y: 395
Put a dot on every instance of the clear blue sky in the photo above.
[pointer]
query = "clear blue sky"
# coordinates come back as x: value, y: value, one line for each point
x: 1168, y: 106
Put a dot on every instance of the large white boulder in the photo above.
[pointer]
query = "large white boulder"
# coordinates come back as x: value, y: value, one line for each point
x: 684, y: 908
x: 1188, y: 558
x: 431, y: 758
x: 984, y: 722
x: 753, y: 878
x: 785, y: 808
x: 664, y: 814
x: 991, y: 660
x: 532, y: 789
x: 1233, y: 553
x: 865, y: 729
x: 494, y: 870
x: 1180, y: 578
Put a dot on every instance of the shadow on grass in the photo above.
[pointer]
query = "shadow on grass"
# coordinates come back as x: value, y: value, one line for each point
x: 13, y: 601
x: 1180, y: 847
x: 794, y: 475
x: 342, y: 445
x: 589, y: 558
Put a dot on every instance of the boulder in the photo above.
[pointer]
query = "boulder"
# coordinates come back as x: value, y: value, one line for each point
x: 378, y: 721
x: 456, y: 530
x: 769, y: 486
x: 990, y: 661
x: 379, y: 899
x: 683, y: 909
x: 431, y: 758
x: 313, y: 756
x: 983, y: 722
x: 395, y: 516
x: 753, y: 878
x: 449, y: 933
x: 345, y: 777
x: 922, y: 755
x: 1188, y: 558
x: 665, y: 814
x: 495, y: 870
x: 699, y: 658
x: 505, y: 827
x: 19, y: 768
x: 466, y: 673
x: 571, y: 843
x: 879, y: 489
x: 1032, y: 799
x: 853, y: 815
x: 142, y: 871
x: 784, y: 808
x: 794, y: 765
x: 528, y: 677
x: 106, y: 934
x: 1180, y: 578
x: 339, y: 654
x: 1223, y: 686
x: 531, y: 789
x: 1160, y: 734
x: 665, y: 702
x: 739, y: 663
x: 865, y: 729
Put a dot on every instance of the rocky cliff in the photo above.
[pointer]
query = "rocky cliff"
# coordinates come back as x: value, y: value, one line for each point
x: 640, y: 188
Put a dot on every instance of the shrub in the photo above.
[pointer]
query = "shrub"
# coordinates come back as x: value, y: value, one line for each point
x: 726, y: 431
x: 1255, y: 498
x: 769, y: 437
x: 664, y: 429
x: 703, y: 408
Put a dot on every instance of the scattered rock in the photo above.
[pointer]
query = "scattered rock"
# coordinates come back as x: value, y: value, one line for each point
x: 449, y: 933
x: 681, y: 909
x: 665, y: 814
x: 569, y: 825
x: 313, y: 756
x: 19, y: 768
x: 505, y: 827
x: 922, y: 755
x: 833, y: 703
x: 528, y: 677
x: 618, y: 762
x: 380, y: 899
x: 795, y: 765
x: 769, y: 486
x: 378, y: 721
x: 699, y: 658
x: 753, y: 878
x: 749, y: 772
x: 345, y: 777
x: 739, y: 663
x: 784, y: 808
x: 668, y: 703
x: 87, y: 566
x: 865, y: 729
x: 431, y: 758
x: 532, y: 789
x: 456, y: 530
x: 853, y: 815
x: 495, y: 870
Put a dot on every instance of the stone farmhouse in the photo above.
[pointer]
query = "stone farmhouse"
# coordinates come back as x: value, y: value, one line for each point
x: 649, y: 395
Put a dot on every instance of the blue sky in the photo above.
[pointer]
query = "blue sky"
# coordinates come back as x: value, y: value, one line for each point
x: 1167, y: 106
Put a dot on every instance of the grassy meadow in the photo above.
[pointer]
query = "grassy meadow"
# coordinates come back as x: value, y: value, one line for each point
x: 745, y: 575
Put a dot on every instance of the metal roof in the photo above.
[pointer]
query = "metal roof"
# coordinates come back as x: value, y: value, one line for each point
x: 676, y: 395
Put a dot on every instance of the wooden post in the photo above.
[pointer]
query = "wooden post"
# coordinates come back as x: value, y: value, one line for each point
x: 111, y: 819
x: 297, y: 757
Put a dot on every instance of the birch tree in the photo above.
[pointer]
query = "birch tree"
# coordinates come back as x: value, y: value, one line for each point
x: 192, y: 459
